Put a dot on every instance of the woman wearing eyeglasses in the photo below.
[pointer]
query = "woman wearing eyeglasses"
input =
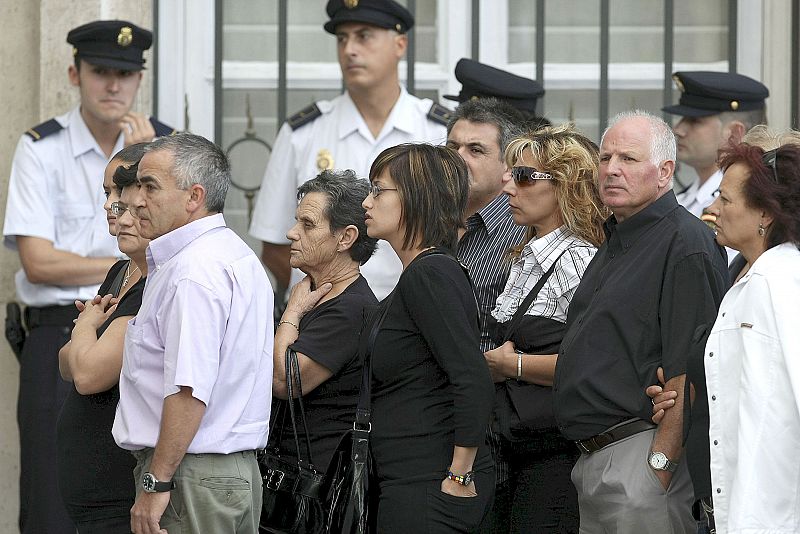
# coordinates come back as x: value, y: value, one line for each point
x: 552, y: 191
x: 431, y: 390
x: 752, y: 356
x: 95, y: 477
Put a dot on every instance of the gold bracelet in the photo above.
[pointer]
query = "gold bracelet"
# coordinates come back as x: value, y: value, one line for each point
x: 519, y: 366
x: 291, y: 323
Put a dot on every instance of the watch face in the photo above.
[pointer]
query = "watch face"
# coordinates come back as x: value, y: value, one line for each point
x: 148, y: 482
x: 658, y: 460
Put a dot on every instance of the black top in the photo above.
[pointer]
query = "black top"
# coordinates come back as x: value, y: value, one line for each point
x: 431, y: 385
x: 329, y: 335
x: 95, y: 476
x: 656, y: 280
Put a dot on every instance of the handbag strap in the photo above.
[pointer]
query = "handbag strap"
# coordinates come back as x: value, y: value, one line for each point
x: 363, y: 408
x: 116, y: 285
x: 293, y: 373
x: 516, y: 319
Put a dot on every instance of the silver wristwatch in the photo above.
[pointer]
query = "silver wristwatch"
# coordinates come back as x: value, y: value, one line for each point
x: 659, y: 462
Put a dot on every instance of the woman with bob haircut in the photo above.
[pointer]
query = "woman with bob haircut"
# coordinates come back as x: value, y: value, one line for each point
x: 431, y: 389
x: 552, y: 191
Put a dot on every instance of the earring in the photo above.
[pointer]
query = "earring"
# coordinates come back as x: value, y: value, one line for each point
x: 761, y: 230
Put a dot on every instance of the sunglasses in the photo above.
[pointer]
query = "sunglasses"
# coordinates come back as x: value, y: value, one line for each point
x: 770, y: 159
x: 527, y: 175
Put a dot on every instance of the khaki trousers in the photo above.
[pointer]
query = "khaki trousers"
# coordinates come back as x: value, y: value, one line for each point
x: 619, y: 493
x: 213, y: 493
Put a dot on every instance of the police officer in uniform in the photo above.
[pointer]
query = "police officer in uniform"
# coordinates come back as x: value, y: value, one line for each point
x: 716, y: 108
x: 375, y: 112
x: 54, y: 218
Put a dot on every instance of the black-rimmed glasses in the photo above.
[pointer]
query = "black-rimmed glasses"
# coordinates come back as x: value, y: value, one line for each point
x: 770, y: 159
x: 528, y: 175
x: 375, y: 190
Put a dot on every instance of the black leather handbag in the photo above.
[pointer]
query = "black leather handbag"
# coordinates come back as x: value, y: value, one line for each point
x: 292, y: 488
x: 347, y: 488
x: 523, y: 412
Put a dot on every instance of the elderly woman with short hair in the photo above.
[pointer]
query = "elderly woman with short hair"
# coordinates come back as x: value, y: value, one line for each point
x: 325, y: 312
x: 751, y: 357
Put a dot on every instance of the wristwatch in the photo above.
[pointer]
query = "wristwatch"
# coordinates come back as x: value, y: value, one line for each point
x: 659, y: 462
x: 151, y: 484
x: 464, y: 480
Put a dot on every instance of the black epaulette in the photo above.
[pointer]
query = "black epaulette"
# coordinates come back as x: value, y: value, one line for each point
x: 439, y: 114
x: 41, y: 131
x: 162, y: 130
x: 304, y: 116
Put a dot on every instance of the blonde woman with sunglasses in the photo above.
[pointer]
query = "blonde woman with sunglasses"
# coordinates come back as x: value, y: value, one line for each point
x: 552, y: 191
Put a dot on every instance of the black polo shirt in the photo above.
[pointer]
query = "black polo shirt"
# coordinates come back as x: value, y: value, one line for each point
x: 657, y: 279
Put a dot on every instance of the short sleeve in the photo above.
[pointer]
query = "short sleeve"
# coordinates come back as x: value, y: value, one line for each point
x: 330, y: 336
x: 277, y: 198
x: 28, y: 197
x: 693, y: 290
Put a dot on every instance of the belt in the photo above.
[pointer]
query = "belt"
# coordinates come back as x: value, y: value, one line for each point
x: 50, y: 316
x: 613, y: 434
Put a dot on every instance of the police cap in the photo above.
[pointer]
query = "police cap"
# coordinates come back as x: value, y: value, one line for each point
x: 117, y: 44
x: 709, y: 93
x: 479, y: 80
x: 381, y: 13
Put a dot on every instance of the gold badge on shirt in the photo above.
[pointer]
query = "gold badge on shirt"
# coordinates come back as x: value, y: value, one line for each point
x: 324, y: 159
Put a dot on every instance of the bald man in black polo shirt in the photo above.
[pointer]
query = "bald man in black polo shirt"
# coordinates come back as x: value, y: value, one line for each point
x: 656, y: 281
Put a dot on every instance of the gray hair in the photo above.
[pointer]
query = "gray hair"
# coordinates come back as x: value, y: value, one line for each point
x: 509, y: 122
x: 345, y: 192
x: 748, y: 118
x: 662, y: 140
x: 196, y: 160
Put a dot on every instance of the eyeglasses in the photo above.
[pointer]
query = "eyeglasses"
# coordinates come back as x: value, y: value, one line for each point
x: 118, y: 208
x: 375, y: 190
x: 527, y: 175
x: 770, y: 159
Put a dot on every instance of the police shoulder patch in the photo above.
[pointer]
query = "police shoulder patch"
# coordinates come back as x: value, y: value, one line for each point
x: 39, y: 132
x: 439, y: 114
x: 304, y: 116
x: 162, y: 130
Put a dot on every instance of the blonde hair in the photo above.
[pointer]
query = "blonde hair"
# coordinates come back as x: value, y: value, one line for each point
x: 573, y: 161
x: 767, y: 139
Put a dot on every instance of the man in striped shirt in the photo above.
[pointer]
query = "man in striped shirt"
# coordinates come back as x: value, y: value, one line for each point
x: 480, y: 130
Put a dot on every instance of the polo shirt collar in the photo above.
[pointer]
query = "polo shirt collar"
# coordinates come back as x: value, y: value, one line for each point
x: 164, y: 248
x: 81, y: 138
x: 629, y: 230
x: 400, y: 118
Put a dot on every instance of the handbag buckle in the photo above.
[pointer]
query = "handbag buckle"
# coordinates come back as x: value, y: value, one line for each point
x: 273, y: 479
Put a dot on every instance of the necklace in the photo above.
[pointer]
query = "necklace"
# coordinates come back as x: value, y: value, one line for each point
x: 129, y: 273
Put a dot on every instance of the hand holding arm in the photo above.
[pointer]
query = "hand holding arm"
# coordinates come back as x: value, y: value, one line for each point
x: 662, y: 399
x: 669, y: 434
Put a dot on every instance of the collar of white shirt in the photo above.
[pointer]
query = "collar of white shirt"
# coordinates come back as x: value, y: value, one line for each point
x: 401, y: 117
x: 163, y: 248
x: 81, y: 138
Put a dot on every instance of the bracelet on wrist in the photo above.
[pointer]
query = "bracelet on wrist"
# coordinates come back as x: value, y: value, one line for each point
x: 519, y: 366
x: 464, y: 480
x: 291, y: 323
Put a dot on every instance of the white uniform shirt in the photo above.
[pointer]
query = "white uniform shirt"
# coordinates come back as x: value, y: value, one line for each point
x: 752, y: 363
x: 56, y: 193
x: 342, y: 131
x: 698, y: 197
x: 205, y: 323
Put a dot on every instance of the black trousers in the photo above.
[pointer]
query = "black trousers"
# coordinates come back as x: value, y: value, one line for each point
x: 41, y: 394
x: 539, y: 498
x: 422, y: 507
x: 111, y: 525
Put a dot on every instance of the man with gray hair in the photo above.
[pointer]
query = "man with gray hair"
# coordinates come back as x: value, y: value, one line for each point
x: 196, y: 380
x: 644, y: 302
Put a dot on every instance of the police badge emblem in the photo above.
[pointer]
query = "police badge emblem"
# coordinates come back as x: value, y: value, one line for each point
x: 324, y: 160
x: 125, y: 36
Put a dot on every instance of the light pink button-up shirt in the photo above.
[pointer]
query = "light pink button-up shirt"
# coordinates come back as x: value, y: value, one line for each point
x: 206, y: 323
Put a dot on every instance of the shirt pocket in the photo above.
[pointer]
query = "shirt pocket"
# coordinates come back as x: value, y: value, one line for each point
x: 73, y: 227
x: 143, y: 351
